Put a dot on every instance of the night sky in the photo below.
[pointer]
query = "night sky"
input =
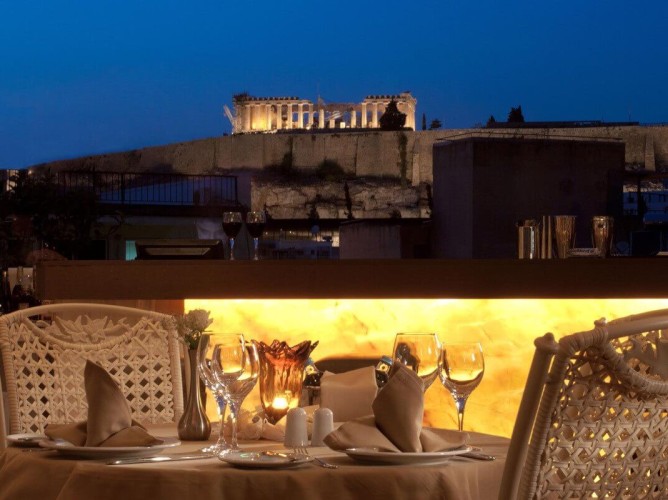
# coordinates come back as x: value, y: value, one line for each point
x: 88, y: 77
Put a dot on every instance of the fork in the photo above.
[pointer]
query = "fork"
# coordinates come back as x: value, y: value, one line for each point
x: 303, y: 452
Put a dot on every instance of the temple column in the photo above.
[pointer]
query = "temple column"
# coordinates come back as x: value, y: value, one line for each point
x: 321, y: 118
x: 309, y: 116
x: 267, y: 110
x: 300, y: 115
x: 255, y: 117
x: 364, y: 117
x: 410, y: 116
x: 332, y: 123
x: 374, y: 115
x: 247, y: 117
x: 279, y: 121
x: 353, y: 119
x: 289, y: 126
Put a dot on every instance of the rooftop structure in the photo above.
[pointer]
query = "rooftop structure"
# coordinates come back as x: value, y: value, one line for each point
x: 271, y: 114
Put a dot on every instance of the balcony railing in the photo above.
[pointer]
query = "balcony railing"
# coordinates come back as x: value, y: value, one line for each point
x: 154, y: 189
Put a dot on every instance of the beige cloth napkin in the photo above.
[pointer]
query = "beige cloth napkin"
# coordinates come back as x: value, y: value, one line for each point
x: 109, y: 421
x: 349, y: 395
x: 396, y: 423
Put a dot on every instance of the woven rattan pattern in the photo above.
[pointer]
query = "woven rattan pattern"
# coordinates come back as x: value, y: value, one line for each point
x: 608, y: 427
x: 44, y: 363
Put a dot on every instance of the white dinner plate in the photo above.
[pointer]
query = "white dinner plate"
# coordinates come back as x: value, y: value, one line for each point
x: 68, y: 449
x: 376, y: 456
x: 258, y: 460
x: 25, y: 440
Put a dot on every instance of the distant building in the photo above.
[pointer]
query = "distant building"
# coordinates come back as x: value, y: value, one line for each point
x: 271, y: 114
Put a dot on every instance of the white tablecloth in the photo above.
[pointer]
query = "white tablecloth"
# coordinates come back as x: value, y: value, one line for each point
x: 47, y: 475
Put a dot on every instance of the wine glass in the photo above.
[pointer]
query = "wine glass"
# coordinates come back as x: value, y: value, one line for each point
x: 232, y: 225
x: 255, y: 222
x: 461, y: 369
x: 420, y: 352
x: 227, y: 363
x: 205, y: 370
x: 239, y: 389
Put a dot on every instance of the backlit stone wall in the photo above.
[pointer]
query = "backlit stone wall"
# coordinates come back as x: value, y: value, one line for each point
x: 366, y: 328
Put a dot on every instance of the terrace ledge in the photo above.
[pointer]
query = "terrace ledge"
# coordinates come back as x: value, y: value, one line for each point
x: 353, y: 279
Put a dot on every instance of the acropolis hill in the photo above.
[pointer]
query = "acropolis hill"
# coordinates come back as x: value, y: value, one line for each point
x: 400, y: 162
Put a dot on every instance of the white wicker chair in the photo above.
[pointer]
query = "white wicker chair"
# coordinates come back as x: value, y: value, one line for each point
x: 44, y: 350
x: 596, y: 424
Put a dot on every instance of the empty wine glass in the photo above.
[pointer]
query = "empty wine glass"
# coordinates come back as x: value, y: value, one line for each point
x: 420, y: 352
x: 239, y: 389
x: 461, y: 370
x: 232, y: 225
x: 227, y: 363
x: 255, y: 222
x: 205, y: 370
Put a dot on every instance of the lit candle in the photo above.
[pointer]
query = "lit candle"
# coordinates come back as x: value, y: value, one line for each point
x: 280, y: 403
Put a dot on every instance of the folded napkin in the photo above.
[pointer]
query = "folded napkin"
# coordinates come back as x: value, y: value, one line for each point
x: 396, y: 422
x: 109, y: 420
x: 349, y: 395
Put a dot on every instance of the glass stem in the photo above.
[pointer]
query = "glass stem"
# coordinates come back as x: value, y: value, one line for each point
x: 256, y: 244
x: 460, y: 403
x: 221, y: 444
x: 234, y: 410
x: 231, y: 248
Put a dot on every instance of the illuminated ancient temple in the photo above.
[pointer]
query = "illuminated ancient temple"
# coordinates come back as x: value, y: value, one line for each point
x: 270, y: 114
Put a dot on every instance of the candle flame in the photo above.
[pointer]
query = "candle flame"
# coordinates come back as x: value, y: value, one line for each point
x: 279, y: 403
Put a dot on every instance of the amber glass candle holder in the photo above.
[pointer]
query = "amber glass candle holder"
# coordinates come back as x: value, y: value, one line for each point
x: 282, y: 375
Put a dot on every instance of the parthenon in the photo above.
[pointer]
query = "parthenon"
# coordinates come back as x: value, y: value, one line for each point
x: 270, y: 114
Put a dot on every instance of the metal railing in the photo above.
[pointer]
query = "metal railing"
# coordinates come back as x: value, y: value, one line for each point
x: 146, y: 188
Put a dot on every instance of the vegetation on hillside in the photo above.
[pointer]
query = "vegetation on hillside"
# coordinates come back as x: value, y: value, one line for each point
x: 392, y: 119
x: 515, y: 115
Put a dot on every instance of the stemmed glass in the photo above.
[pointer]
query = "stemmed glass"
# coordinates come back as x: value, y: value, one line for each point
x: 255, y: 222
x: 420, y: 352
x: 232, y: 225
x: 461, y: 369
x: 227, y: 364
x: 239, y: 389
x: 205, y: 370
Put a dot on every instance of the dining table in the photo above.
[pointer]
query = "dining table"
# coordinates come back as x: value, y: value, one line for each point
x: 42, y: 474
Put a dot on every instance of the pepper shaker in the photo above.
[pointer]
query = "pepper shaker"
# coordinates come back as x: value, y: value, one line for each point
x: 323, y: 424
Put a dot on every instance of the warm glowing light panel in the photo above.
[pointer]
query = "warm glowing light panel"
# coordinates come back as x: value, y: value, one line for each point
x: 366, y: 328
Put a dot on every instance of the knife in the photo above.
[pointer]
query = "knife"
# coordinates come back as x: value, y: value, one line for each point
x: 160, y: 458
x: 477, y: 455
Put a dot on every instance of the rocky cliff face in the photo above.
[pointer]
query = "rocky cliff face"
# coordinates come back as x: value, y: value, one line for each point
x: 361, y: 198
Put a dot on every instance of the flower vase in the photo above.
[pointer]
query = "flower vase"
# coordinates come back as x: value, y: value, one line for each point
x: 194, y: 425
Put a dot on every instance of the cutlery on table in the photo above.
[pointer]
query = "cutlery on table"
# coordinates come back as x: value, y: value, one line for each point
x: 289, y: 456
x: 303, y: 452
x: 31, y: 439
x: 159, y: 459
x: 477, y: 455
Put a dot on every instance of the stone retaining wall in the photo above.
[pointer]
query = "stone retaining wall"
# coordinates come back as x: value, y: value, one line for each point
x: 361, y: 154
x: 384, y: 181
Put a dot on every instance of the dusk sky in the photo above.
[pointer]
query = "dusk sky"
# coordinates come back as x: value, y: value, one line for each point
x: 89, y: 77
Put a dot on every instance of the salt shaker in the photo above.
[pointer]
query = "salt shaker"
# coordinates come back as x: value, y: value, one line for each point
x: 323, y: 424
x: 296, y: 434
